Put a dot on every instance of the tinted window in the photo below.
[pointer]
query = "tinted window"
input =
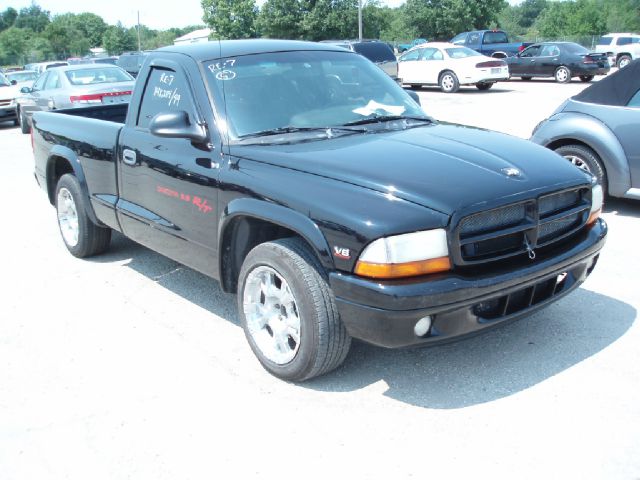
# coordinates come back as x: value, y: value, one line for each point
x: 91, y: 76
x: 623, y: 41
x: 635, y: 100
x: 166, y: 91
x: 495, y: 37
x: 576, y: 49
x: 532, y: 51
x: 605, y: 40
x: 375, y: 51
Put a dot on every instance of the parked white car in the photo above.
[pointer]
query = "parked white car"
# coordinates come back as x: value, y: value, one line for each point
x: 450, y: 66
x: 23, y: 78
x: 622, y: 48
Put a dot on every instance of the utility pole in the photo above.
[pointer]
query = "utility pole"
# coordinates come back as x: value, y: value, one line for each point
x: 360, y: 20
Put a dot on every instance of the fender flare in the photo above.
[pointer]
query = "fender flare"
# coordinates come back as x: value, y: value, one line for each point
x: 59, y: 151
x: 277, y: 214
x: 591, y: 132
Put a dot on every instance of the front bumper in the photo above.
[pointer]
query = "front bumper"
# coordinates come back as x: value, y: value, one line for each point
x: 384, y: 313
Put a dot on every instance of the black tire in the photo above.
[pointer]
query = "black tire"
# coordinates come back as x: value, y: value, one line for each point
x: 16, y: 122
x: 623, y: 61
x: 586, y: 78
x: 24, y: 123
x: 91, y: 238
x: 323, y: 342
x: 448, y: 82
x: 484, y: 86
x: 526, y: 79
x: 562, y: 74
x: 586, y: 159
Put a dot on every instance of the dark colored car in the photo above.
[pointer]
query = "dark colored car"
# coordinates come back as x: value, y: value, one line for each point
x: 378, y: 52
x: 492, y: 43
x: 131, y: 62
x: 597, y: 130
x: 308, y: 182
x: 559, y: 60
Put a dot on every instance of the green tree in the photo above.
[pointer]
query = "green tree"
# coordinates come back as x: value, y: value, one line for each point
x: 231, y: 19
x: 623, y: 15
x: 332, y: 19
x: 281, y: 19
x: 117, y: 39
x: 33, y: 18
x: 14, y: 43
x: 8, y: 18
x: 442, y: 19
x: 66, y: 37
x: 91, y: 26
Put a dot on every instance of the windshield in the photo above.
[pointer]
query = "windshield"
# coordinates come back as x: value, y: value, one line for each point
x: 91, y: 76
x: 304, y: 89
x: 3, y: 81
x: 462, y: 52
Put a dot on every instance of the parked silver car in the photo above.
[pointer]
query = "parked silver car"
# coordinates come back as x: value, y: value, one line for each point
x: 22, y: 78
x: 598, y: 130
x: 74, y: 86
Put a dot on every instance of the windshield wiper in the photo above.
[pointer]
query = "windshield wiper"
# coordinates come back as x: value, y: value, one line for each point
x: 291, y: 129
x: 375, y: 118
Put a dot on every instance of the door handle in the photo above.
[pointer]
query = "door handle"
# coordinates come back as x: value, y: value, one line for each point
x: 129, y: 157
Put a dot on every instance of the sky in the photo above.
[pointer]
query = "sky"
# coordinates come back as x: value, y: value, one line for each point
x: 155, y: 14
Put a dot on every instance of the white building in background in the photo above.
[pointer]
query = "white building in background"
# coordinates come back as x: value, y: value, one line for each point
x: 196, y: 36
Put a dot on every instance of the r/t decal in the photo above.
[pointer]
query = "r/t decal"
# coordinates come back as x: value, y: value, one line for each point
x: 201, y: 203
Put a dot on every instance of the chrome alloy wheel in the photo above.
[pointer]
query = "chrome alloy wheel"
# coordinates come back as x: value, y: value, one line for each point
x: 579, y: 162
x: 68, y: 217
x: 272, y: 315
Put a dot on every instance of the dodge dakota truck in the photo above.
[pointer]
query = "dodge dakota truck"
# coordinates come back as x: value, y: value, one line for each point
x: 304, y: 179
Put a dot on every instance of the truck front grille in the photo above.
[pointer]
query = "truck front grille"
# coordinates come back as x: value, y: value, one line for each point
x: 521, y: 227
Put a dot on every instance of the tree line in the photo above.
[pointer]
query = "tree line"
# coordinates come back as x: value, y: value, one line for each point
x: 33, y: 34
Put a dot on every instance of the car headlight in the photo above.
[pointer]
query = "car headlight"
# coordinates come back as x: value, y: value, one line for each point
x: 406, y: 255
x: 597, y: 198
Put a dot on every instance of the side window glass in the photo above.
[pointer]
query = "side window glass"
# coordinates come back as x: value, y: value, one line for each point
x: 412, y: 55
x: 39, y: 83
x: 166, y: 91
x: 474, y: 38
x: 53, y: 81
x: 530, y: 52
x: 635, y: 100
x: 437, y: 55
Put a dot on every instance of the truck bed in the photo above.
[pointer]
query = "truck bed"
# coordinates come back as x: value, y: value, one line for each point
x: 112, y: 113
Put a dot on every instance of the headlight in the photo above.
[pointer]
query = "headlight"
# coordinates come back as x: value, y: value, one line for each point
x: 597, y: 199
x: 405, y: 255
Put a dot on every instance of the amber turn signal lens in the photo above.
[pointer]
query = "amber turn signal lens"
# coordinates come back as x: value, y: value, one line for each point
x: 593, y: 217
x: 402, y: 270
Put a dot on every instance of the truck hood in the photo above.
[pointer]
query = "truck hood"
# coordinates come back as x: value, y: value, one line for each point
x: 444, y: 167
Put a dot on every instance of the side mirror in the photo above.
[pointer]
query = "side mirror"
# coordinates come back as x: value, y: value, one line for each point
x: 176, y: 125
x: 413, y: 95
x: 25, y: 90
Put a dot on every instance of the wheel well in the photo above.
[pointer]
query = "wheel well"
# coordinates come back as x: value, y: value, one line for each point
x: 568, y: 141
x: 58, y: 166
x: 239, y: 238
x: 443, y: 72
x: 622, y: 54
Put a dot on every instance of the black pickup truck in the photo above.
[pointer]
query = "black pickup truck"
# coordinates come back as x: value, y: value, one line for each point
x: 303, y: 178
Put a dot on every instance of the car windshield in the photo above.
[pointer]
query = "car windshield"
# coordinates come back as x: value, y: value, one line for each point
x: 91, y: 76
x: 462, y: 52
x: 285, y: 92
x: 3, y: 81
x: 576, y: 49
